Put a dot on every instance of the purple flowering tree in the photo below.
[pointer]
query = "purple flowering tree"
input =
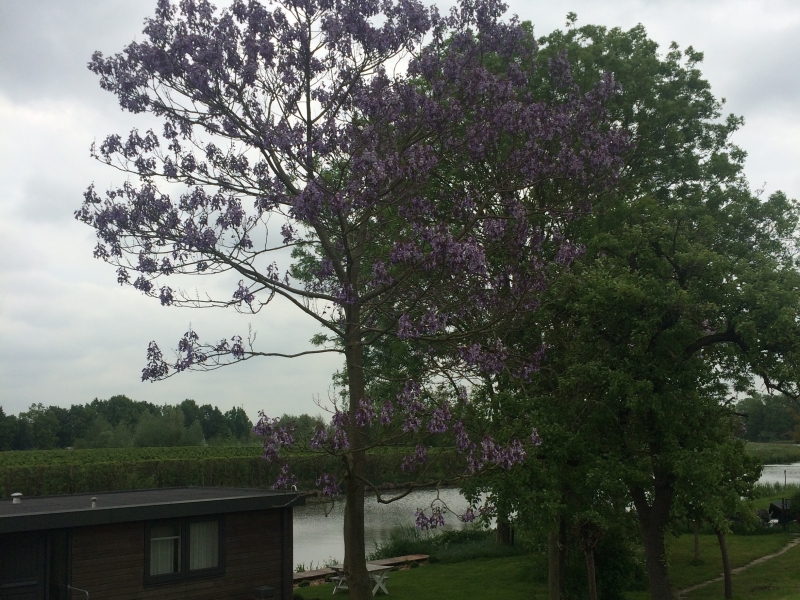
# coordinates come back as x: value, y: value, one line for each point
x: 393, y: 152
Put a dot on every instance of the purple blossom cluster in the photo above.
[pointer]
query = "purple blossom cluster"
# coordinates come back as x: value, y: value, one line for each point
x: 425, y: 522
x: 286, y: 480
x: 536, y: 439
x: 413, y: 462
x: 329, y: 484
x: 275, y: 438
x: 365, y: 414
x: 243, y: 294
x: 489, y: 453
x: 409, y: 401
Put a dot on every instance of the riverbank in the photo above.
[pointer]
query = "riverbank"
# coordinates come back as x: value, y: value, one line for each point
x: 514, y: 578
x: 774, y: 453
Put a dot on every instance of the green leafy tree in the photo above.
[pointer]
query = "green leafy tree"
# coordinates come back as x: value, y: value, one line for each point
x: 121, y: 409
x: 101, y: 434
x: 240, y: 424
x: 41, y: 426
x: 686, y: 292
x: 8, y: 426
x: 769, y: 417
x: 166, y: 429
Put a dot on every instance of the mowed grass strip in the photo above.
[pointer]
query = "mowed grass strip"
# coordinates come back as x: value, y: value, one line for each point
x: 742, y: 549
x: 500, y: 578
x: 774, y: 579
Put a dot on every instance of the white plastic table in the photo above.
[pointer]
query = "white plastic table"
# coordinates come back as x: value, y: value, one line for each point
x: 378, y: 573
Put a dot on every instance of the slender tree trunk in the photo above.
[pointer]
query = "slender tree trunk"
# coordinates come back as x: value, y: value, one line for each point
x: 590, y: 574
x: 503, y: 533
x: 355, y: 566
x: 653, y: 521
x: 726, y: 563
x: 696, y: 527
x: 562, y: 555
x: 554, y: 562
x: 589, y: 535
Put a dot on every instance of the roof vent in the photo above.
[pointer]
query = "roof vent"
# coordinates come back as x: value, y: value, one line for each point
x: 94, y: 501
x: 16, y: 498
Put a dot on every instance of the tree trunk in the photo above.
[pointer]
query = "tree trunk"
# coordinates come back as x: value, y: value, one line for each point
x: 653, y: 521
x: 696, y: 527
x: 355, y: 565
x: 726, y: 563
x: 589, y: 534
x: 562, y: 556
x: 503, y: 533
x: 591, y: 575
x: 553, y: 563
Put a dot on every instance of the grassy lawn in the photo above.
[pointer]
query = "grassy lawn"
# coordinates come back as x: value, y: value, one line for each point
x: 741, y: 548
x: 510, y: 578
x: 501, y: 578
x: 776, y: 579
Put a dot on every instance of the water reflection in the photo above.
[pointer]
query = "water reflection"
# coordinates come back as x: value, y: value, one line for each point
x: 774, y: 473
x: 318, y: 538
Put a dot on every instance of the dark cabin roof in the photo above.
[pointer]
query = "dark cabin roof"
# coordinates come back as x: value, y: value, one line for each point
x: 776, y: 509
x: 75, y: 510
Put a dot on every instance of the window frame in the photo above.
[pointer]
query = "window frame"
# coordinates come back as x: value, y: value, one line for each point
x: 185, y: 574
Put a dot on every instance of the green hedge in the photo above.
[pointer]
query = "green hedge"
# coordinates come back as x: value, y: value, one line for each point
x: 76, y: 471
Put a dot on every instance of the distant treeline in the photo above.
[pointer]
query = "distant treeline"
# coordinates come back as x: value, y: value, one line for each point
x: 770, y: 418
x: 120, y: 422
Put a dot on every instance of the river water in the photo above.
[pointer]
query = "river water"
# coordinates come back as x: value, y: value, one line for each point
x: 318, y: 538
x: 775, y: 473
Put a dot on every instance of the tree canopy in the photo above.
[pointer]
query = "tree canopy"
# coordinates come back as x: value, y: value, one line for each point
x: 685, y: 295
x: 403, y: 195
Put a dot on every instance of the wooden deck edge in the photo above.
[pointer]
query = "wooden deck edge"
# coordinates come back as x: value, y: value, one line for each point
x: 400, y: 560
x: 310, y: 575
x: 386, y: 562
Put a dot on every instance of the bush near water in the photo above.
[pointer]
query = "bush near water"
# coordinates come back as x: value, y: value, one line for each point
x: 50, y: 472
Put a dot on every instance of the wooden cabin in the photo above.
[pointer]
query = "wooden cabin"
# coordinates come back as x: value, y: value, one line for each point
x: 198, y: 543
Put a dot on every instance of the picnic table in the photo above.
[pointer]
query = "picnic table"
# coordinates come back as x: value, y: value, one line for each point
x: 378, y: 573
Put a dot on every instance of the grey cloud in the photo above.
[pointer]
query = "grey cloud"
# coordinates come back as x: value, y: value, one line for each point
x: 45, y: 44
x: 48, y: 199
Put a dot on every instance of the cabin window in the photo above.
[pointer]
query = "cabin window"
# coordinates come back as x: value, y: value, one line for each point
x: 165, y: 549
x: 183, y: 549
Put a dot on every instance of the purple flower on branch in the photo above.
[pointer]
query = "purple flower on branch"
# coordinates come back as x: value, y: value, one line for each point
x: 275, y: 437
x: 426, y: 523
x: 387, y: 410
x: 330, y: 486
x: 319, y: 439
x: 468, y: 516
x: 338, y: 437
x: 156, y: 367
x: 439, y: 419
x: 536, y: 440
x: 365, y: 414
x: 285, y: 479
x: 243, y: 294
x: 411, y: 463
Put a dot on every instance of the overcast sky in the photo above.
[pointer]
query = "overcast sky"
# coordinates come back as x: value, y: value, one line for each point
x: 69, y: 333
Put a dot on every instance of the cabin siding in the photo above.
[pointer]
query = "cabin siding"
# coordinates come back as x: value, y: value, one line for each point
x: 109, y: 561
